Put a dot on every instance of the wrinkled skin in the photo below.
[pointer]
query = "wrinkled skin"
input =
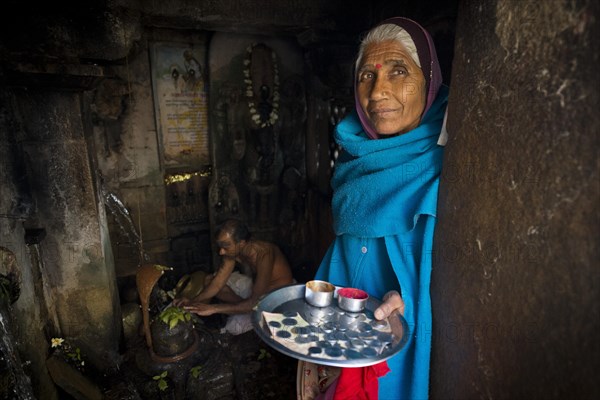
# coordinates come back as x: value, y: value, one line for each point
x: 390, y: 88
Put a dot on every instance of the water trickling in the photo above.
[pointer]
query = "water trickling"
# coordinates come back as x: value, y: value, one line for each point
x: 123, y: 218
x: 14, y: 384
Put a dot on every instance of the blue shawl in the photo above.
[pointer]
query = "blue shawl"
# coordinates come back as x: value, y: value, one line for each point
x: 385, y: 194
x: 380, y: 187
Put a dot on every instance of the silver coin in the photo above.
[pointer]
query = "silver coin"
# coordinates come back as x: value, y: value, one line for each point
x: 351, y: 334
x: 331, y: 337
x: 385, y: 337
x: 363, y: 327
x: 378, y: 324
x: 328, y: 327
x: 334, y: 351
x: 352, y: 354
x: 368, y: 352
x: 357, y: 343
x: 283, y: 334
x: 301, y: 330
x: 289, y: 321
x: 302, y: 339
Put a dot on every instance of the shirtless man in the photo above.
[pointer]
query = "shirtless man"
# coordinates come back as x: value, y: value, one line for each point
x: 239, y: 293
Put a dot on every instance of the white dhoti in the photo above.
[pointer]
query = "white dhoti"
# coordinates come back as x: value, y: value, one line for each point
x: 241, y: 285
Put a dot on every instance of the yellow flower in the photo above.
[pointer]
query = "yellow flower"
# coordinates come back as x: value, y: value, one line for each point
x: 56, y: 342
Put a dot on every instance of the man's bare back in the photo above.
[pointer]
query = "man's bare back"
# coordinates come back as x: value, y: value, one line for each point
x: 266, y: 258
x: 269, y: 267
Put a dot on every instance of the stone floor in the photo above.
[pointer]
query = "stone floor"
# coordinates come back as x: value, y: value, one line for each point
x: 237, y: 367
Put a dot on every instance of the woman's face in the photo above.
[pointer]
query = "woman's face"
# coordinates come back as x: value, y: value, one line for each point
x: 391, y: 88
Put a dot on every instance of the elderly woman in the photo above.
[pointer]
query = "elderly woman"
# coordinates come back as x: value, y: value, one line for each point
x: 385, y: 192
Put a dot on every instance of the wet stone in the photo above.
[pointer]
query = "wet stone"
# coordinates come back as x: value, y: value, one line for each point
x: 289, y: 321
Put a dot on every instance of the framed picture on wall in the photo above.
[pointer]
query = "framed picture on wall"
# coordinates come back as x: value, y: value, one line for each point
x: 180, y: 100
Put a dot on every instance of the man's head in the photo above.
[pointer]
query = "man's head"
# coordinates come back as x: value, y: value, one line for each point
x: 232, y: 237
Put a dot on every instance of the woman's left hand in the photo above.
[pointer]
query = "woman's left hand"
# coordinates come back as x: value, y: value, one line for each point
x: 392, y: 302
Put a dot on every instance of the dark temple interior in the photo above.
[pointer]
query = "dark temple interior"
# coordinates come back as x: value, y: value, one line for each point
x: 127, y: 137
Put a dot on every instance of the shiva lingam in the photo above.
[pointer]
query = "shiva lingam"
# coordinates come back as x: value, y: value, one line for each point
x: 179, y: 348
x: 167, y: 341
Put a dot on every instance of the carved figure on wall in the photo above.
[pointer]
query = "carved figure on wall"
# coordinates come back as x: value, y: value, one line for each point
x: 224, y: 197
x: 263, y: 160
x: 236, y: 123
x: 230, y: 121
x: 292, y: 119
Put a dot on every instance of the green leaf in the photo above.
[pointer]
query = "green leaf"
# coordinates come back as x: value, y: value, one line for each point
x: 162, y: 385
x: 164, y: 374
x: 196, y: 371
x: 156, y: 377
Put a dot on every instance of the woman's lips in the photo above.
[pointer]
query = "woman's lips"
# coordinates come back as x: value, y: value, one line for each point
x: 382, y: 112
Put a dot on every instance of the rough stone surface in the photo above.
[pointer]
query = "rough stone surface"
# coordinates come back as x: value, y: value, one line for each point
x: 72, y: 381
x: 77, y: 267
x: 515, y: 286
x: 15, y: 207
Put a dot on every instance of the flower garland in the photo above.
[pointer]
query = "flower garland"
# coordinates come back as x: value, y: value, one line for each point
x: 274, y: 114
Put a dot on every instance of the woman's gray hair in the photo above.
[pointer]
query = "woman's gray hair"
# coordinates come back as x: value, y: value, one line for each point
x: 386, y: 32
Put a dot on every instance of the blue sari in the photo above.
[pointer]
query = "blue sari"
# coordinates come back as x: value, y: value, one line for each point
x: 384, y: 209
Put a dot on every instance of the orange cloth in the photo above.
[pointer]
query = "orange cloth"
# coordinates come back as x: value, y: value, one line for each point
x: 360, y: 383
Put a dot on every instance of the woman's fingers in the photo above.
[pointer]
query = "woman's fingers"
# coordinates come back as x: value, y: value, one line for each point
x: 392, y: 301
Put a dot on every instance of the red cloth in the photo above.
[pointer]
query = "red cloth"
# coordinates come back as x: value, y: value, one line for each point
x: 360, y: 383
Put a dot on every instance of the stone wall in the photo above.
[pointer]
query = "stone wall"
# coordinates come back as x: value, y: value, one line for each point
x: 53, y: 220
x: 515, y: 284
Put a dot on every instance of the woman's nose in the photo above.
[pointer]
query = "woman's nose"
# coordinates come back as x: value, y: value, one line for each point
x: 380, y: 88
x: 221, y: 252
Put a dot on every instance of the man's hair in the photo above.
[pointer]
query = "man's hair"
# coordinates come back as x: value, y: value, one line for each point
x: 236, y: 228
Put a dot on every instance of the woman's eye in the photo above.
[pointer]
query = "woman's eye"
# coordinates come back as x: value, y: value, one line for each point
x: 399, y: 71
x: 366, y: 76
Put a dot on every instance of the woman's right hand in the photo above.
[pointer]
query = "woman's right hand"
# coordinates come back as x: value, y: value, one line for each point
x: 392, y: 302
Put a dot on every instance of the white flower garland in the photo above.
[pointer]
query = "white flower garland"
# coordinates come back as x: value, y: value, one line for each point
x: 274, y: 115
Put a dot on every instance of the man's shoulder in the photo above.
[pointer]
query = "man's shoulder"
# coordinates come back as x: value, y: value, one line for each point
x: 263, y: 245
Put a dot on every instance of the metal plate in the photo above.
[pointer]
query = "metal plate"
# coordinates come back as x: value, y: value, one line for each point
x: 333, y: 337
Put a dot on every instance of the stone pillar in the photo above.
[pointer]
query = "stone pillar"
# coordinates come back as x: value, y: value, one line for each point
x: 76, y: 254
x: 515, y: 286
